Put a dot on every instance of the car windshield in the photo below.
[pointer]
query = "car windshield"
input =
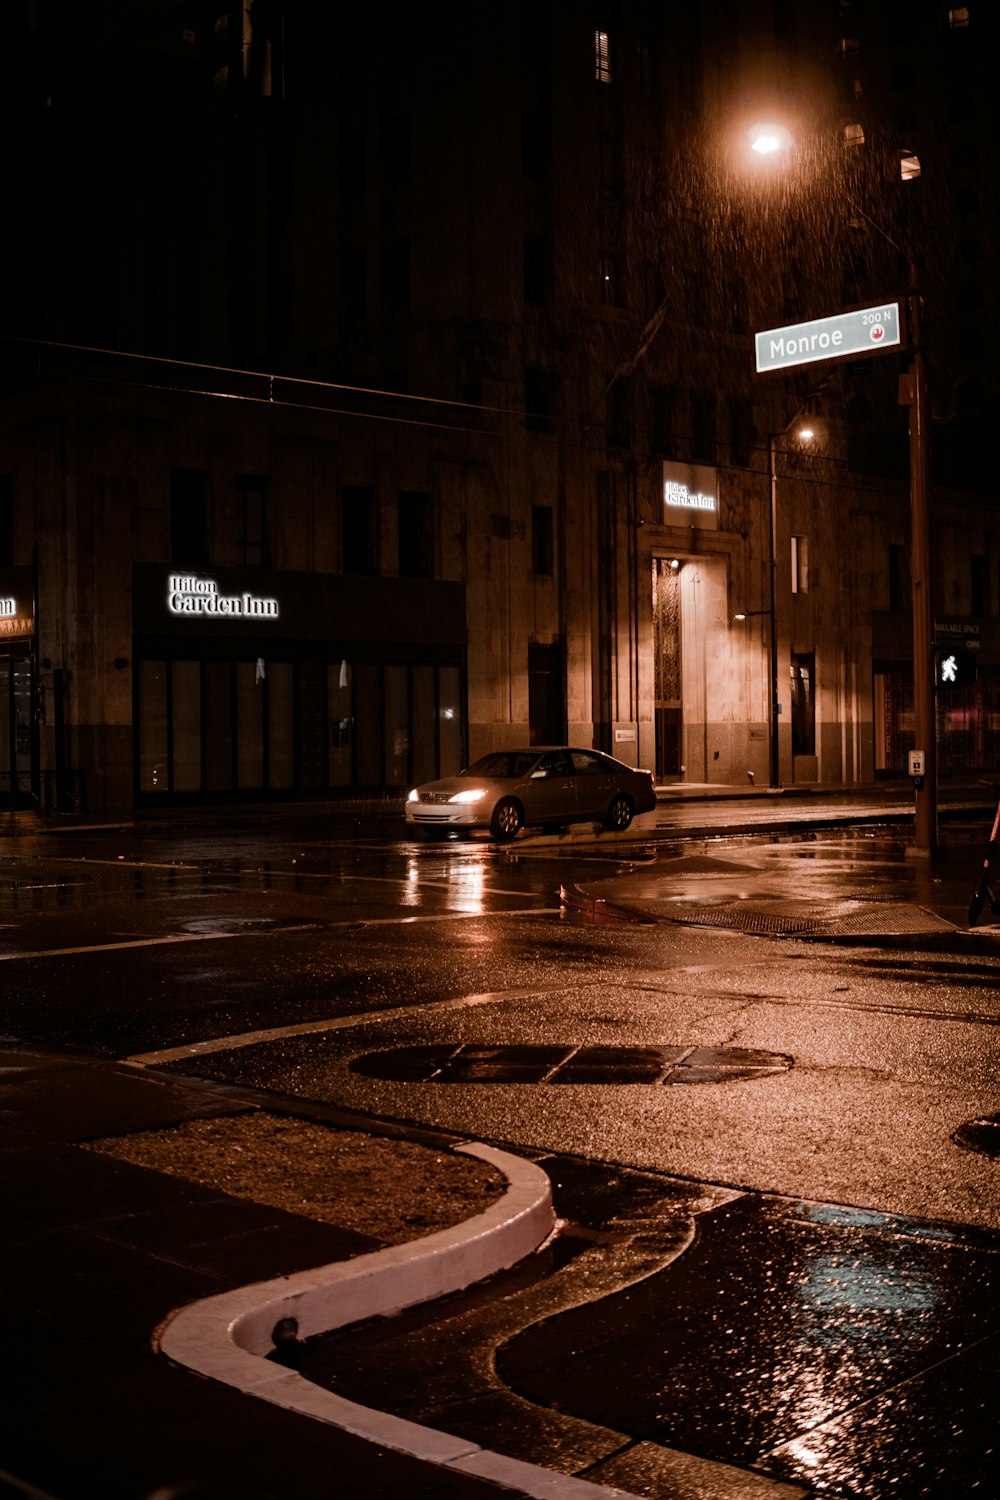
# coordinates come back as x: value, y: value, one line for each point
x: 502, y: 763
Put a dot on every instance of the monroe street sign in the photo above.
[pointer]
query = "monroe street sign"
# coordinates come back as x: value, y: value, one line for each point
x: 864, y: 331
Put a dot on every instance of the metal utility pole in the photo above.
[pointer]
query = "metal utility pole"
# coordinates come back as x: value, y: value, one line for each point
x: 921, y: 553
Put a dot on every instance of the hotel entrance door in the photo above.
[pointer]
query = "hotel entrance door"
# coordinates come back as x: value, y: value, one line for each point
x: 16, y: 738
x: 667, y: 670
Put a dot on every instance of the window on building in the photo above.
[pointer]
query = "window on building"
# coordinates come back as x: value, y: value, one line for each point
x: 703, y: 427
x: 534, y: 145
x: 358, y: 529
x: 695, y: 297
x: 396, y: 148
x: 251, y: 535
x: 653, y: 290
x: 397, y: 275
x: 740, y: 431
x: 610, y: 271
x: 353, y: 162
x: 609, y: 165
x: 619, y: 413
x: 854, y: 134
x: 603, y: 57
x: 415, y: 518
x: 739, y: 306
x: 791, y: 289
x: 644, y: 51
x: 847, y: 45
x: 353, y: 284
x: 958, y: 16
x: 664, y: 413
x: 536, y: 268
x: 900, y: 595
x: 980, y: 585
x: 800, y: 565
x: 803, y: 694
x: 537, y: 400
x: 189, y: 517
x: 542, y: 555
x: 6, y: 520
x: 909, y: 165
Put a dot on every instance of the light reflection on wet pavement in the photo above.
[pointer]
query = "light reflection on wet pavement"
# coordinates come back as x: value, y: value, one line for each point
x: 848, y: 1351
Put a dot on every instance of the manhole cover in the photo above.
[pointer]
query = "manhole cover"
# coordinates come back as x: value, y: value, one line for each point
x: 677, y: 1064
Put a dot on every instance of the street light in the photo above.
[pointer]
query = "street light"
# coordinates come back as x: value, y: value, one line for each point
x: 805, y: 435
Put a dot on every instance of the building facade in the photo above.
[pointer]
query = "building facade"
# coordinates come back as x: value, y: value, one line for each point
x: 351, y: 432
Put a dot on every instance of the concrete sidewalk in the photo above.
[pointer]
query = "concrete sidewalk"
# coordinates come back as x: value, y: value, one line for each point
x: 98, y: 1253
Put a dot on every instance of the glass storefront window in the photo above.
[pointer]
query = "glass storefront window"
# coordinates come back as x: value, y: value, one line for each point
x: 280, y: 726
x: 452, y: 751
x: 186, y: 720
x: 369, y: 725
x: 153, y: 760
x: 203, y: 726
x: 397, y: 726
x: 424, y: 725
x: 249, y: 725
x: 341, y: 723
x: 218, y: 726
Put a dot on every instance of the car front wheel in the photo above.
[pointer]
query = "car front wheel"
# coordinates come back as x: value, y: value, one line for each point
x: 507, y: 820
x: 619, y: 814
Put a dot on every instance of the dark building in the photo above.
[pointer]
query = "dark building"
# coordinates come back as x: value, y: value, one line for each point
x: 379, y: 389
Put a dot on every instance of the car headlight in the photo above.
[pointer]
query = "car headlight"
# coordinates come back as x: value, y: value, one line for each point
x: 414, y: 796
x: 471, y: 796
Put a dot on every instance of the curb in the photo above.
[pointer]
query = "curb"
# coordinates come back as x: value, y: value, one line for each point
x: 228, y: 1337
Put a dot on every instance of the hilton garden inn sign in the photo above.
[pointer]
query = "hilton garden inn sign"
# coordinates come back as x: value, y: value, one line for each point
x: 864, y: 331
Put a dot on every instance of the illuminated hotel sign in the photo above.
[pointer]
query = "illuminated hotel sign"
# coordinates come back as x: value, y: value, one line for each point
x: 189, y: 595
x: 689, y: 495
x: 12, y: 622
x: 864, y: 331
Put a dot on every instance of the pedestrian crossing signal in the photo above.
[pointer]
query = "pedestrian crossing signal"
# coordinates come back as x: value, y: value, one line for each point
x: 954, y: 669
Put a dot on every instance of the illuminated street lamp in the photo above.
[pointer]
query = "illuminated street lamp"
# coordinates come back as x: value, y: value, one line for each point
x: 805, y: 434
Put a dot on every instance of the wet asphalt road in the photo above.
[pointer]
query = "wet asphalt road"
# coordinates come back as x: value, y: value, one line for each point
x: 846, y: 1354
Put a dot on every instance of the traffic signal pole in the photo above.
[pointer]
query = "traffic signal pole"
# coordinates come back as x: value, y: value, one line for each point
x: 921, y: 554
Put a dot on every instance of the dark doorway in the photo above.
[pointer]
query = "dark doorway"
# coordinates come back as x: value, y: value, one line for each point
x: 18, y: 762
x: 546, y: 722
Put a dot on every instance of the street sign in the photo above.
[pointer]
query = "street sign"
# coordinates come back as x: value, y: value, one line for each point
x: 867, y: 330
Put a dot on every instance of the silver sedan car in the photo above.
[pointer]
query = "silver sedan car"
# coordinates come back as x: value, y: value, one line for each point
x: 547, y: 785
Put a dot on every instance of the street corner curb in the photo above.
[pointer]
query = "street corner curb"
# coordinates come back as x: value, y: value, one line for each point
x: 575, y: 898
x: 228, y: 1337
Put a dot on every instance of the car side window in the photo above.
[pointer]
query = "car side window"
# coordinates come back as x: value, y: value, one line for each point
x: 557, y: 764
x: 585, y: 764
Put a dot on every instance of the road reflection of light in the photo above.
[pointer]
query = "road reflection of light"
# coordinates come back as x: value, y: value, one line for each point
x: 463, y: 880
x: 469, y: 883
x: 855, y: 1312
x: 411, y: 891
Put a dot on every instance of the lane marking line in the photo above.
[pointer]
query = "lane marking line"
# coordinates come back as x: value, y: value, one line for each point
x: 331, y: 1023
x: 316, y: 926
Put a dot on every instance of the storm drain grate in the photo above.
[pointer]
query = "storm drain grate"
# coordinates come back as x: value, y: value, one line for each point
x: 568, y: 1064
x: 748, y: 920
x: 881, y: 918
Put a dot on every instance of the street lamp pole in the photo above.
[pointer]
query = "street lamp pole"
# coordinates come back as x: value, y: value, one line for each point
x: 772, y: 615
x: 806, y: 435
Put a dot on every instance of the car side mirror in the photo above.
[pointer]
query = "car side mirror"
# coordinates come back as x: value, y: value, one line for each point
x: 538, y: 775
